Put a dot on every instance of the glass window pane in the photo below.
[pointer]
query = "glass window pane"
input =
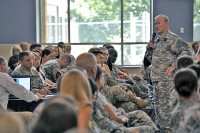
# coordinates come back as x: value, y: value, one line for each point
x: 98, y: 22
x: 136, y: 21
x: 95, y: 21
x: 134, y: 54
x: 196, y: 21
x: 78, y: 49
x: 136, y: 29
x: 57, y: 28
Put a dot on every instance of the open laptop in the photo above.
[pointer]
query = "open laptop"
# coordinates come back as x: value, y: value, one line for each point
x: 24, y: 81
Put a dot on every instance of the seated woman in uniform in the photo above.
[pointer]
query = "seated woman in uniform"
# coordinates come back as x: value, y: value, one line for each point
x: 186, y: 86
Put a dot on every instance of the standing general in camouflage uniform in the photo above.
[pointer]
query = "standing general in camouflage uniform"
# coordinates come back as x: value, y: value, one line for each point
x: 164, y: 53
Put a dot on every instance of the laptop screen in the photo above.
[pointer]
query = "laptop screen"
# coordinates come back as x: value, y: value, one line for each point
x: 24, y: 81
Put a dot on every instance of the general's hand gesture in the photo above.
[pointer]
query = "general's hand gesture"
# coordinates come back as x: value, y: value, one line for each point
x: 169, y: 70
x: 150, y: 45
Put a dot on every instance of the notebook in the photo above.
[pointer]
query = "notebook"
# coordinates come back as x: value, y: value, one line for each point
x: 24, y: 81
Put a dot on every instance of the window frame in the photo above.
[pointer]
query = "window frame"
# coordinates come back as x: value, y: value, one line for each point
x: 42, y: 28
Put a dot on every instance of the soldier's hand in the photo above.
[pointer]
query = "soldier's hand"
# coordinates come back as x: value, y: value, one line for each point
x: 39, y: 95
x: 126, y: 76
x: 52, y: 86
x: 198, y: 58
x: 129, y: 92
x: 169, y: 70
x: 134, y: 131
x: 124, y: 119
x: 43, y: 91
x: 150, y: 45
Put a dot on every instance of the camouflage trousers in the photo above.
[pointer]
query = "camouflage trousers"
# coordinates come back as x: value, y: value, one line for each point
x: 173, y: 98
x: 139, y: 118
x: 163, y: 108
x: 120, y: 98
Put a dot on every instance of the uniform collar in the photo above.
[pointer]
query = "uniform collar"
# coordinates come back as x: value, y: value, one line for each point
x: 164, y: 36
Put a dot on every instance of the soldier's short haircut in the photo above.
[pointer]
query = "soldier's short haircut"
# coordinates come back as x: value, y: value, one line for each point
x: 61, y: 44
x: 95, y: 51
x: 2, y: 60
x: 84, y: 60
x: 22, y: 54
x: 106, y: 44
x: 184, y: 61
x: 46, y: 52
x: 33, y: 46
x: 112, y: 51
x: 193, y: 44
x: 65, y: 57
x: 164, y: 16
x: 196, y: 68
x: 103, y: 48
x: 186, y: 82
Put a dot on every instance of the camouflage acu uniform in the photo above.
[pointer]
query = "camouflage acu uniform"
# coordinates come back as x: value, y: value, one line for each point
x: 120, y: 98
x: 136, y: 118
x: 36, y: 81
x: 103, y: 120
x: 191, y: 122
x: 52, y: 70
x: 117, y: 94
x: 142, y: 122
x: 140, y: 118
x: 136, y: 86
x: 167, y: 49
x: 115, y: 74
x: 72, y: 60
x: 109, y: 81
x: 179, y: 112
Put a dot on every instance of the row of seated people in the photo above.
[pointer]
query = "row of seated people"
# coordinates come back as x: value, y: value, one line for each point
x: 105, y: 117
x: 130, y: 93
x: 95, y: 112
x: 32, y: 64
x: 125, y: 96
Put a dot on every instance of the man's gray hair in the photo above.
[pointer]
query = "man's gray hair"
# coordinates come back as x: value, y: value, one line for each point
x: 2, y: 60
x: 166, y: 18
x: 103, y: 48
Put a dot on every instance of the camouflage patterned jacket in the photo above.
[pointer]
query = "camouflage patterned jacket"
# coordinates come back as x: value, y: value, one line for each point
x: 191, y: 122
x: 167, y: 48
x: 103, y: 120
x: 36, y: 81
x: 52, y: 70
x: 178, y: 113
